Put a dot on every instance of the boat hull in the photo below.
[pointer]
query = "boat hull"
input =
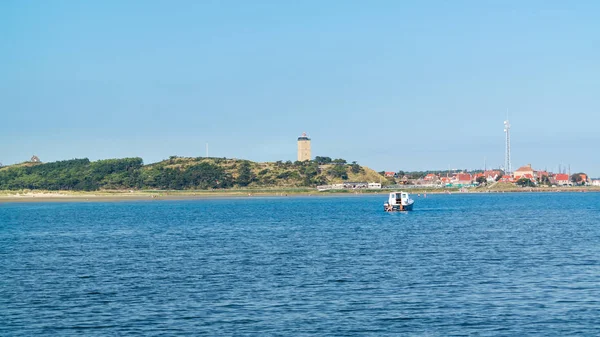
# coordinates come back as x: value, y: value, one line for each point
x: 398, y: 208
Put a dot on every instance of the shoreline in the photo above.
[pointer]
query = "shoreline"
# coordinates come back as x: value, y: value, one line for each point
x: 116, y: 196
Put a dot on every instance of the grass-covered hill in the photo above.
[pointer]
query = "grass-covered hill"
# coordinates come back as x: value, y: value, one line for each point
x: 178, y: 173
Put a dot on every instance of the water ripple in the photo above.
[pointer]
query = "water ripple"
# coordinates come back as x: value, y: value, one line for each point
x: 499, y: 264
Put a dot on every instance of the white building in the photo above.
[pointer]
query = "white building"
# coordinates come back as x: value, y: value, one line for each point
x: 596, y: 182
x: 374, y: 185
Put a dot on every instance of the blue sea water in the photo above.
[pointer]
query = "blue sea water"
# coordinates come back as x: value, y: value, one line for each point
x: 460, y: 264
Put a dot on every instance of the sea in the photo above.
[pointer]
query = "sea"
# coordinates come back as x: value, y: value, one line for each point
x: 497, y: 264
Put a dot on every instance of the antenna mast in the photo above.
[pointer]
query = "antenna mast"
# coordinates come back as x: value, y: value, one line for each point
x: 507, y: 164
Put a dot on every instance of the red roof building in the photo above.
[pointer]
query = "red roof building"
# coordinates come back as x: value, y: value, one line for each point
x: 523, y: 170
x: 561, y: 179
x: 492, y: 175
x: 463, y: 178
x: 430, y: 177
x: 528, y: 176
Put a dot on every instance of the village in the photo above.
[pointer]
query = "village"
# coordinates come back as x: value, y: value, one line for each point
x: 523, y: 176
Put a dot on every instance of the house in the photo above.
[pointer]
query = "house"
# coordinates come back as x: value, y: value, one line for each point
x: 391, y: 174
x: 580, y: 178
x: 446, y: 180
x: 374, y: 185
x: 506, y: 179
x: 596, y: 182
x: 492, y: 175
x: 528, y: 176
x: 562, y: 179
x: 543, y: 177
x: 322, y: 188
x: 430, y: 177
x: 355, y: 185
x: 523, y: 170
x: 463, y: 178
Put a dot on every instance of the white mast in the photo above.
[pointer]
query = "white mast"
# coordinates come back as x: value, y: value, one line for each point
x: 507, y: 164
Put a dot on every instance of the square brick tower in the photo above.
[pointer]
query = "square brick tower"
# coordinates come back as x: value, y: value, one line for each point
x: 303, y: 147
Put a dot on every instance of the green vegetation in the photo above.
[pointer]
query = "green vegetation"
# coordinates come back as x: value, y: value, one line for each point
x: 525, y: 182
x: 544, y: 180
x: 577, y: 178
x: 177, y: 173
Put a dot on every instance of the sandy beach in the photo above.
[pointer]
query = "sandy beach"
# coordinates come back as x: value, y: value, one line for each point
x: 116, y: 196
x: 67, y: 196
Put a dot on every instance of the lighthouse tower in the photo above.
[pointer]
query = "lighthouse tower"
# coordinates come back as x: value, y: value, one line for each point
x: 303, y: 147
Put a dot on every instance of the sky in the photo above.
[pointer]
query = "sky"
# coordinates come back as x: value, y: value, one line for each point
x: 393, y: 85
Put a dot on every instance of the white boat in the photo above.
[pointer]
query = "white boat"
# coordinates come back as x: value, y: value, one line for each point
x: 398, y: 201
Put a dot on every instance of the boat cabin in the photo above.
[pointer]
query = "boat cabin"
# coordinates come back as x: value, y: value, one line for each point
x: 396, y: 198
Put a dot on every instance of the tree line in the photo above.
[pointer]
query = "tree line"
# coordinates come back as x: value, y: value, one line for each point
x: 126, y: 173
x: 172, y: 174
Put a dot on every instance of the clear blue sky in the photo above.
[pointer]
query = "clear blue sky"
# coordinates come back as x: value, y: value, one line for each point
x: 391, y: 84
